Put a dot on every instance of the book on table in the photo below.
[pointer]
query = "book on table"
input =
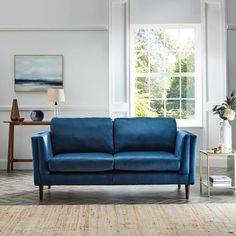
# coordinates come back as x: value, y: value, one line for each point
x: 220, y: 178
x: 220, y: 184
x: 220, y: 181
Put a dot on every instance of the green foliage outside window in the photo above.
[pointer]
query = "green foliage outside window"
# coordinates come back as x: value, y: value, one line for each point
x: 170, y: 51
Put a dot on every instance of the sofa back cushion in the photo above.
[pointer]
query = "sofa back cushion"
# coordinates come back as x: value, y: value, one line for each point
x: 70, y: 135
x: 144, y: 134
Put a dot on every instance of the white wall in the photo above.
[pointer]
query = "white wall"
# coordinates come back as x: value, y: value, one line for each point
x: 85, y: 65
x: 165, y: 11
x: 231, y: 8
x: 231, y: 34
x: 85, y: 60
x: 54, y: 12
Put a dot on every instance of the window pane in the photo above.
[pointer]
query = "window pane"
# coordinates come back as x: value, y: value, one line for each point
x: 157, y: 39
x: 141, y: 62
x: 188, y: 62
x: 172, y: 62
x: 172, y: 39
x: 186, y: 37
x: 187, y: 50
x: 188, y: 87
x: 141, y: 107
x: 164, y: 57
x: 188, y: 109
x: 173, y: 87
x: 141, y: 39
x: 157, y: 86
x: 157, y: 108
x: 157, y: 61
x: 173, y: 109
x: 141, y: 87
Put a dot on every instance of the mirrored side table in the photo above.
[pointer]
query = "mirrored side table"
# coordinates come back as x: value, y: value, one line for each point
x: 210, y: 157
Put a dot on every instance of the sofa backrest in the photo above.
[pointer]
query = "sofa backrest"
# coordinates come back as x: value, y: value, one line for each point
x: 144, y: 134
x: 82, y: 135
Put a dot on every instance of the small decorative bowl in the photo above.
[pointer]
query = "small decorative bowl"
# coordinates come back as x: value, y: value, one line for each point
x: 21, y: 119
x: 36, y: 115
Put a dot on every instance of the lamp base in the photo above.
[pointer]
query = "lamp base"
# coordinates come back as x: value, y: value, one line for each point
x: 56, y: 109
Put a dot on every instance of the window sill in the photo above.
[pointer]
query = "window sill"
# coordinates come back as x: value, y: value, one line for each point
x: 189, y: 124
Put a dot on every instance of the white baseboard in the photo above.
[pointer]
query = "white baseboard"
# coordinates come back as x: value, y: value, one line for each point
x: 17, y: 166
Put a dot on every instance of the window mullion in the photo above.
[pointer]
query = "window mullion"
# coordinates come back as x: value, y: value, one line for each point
x: 165, y: 83
x: 165, y: 99
x: 149, y: 70
x: 180, y: 80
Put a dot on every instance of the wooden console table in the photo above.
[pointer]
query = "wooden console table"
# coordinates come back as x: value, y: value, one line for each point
x: 12, y: 124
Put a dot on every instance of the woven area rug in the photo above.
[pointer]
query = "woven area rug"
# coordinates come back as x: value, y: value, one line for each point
x: 142, y: 219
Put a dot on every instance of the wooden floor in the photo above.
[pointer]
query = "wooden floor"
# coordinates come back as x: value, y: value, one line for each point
x: 18, y: 189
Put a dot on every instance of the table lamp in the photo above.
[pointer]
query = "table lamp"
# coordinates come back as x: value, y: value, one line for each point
x: 56, y: 95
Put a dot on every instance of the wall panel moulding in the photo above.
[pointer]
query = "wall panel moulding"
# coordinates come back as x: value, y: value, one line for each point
x: 9, y: 28
x: 119, y: 15
x: 231, y: 27
x: 7, y: 108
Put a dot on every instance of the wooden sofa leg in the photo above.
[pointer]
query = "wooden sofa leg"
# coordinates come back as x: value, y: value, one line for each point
x: 179, y: 186
x: 41, y: 192
x: 187, y: 190
x: 49, y: 186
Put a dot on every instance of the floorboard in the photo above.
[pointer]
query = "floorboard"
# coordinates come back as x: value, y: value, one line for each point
x: 18, y: 188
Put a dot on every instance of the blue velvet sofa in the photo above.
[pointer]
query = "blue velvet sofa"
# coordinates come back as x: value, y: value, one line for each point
x: 126, y: 151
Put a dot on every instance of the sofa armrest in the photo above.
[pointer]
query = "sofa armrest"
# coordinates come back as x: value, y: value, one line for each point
x: 185, y: 149
x: 182, y: 150
x: 193, y: 157
x: 42, y: 151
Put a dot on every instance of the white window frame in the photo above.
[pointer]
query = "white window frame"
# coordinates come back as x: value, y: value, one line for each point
x: 198, y: 121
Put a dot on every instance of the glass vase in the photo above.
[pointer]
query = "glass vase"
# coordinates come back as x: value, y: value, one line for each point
x: 15, y: 114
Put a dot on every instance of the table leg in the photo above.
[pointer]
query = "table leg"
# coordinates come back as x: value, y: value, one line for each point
x: 200, y: 171
x: 208, y: 176
x: 10, y: 148
x: 234, y: 172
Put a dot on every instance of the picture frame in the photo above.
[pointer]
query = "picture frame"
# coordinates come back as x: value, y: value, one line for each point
x: 38, y: 72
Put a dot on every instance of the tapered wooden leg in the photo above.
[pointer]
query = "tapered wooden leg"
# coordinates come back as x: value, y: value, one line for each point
x: 41, y: 192
x: 10, y: 148
x: 49, y: 186
x: 179, y: 186
x: 9, y: 151
x: 187, y: 189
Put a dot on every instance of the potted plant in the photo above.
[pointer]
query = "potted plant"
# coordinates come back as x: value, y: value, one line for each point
x: 226, y: 112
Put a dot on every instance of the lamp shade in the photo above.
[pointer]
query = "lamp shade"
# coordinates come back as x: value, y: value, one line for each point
x: 56, y: 95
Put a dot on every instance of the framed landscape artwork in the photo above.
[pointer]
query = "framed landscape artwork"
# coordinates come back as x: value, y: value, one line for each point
x: 38, y: 72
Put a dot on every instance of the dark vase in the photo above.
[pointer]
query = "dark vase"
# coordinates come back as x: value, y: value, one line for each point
x: 36, y: 115
x: 15, y: 114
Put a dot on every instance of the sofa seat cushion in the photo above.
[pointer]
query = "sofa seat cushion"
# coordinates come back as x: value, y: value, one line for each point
x: 81, y: 162
x: 146, y: 161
